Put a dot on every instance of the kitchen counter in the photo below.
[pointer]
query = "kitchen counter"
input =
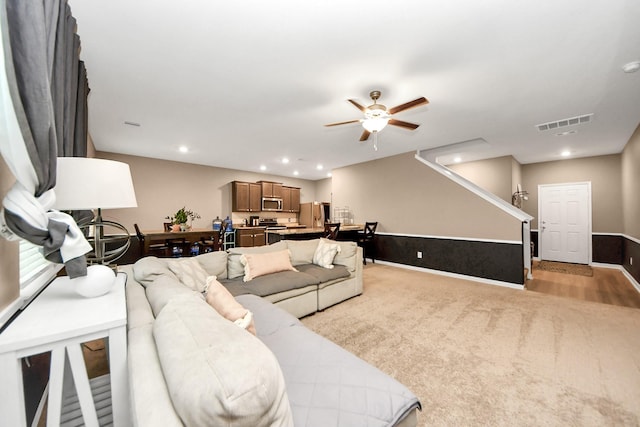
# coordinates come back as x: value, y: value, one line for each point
x: 315, y: 230
x: 347, y: 232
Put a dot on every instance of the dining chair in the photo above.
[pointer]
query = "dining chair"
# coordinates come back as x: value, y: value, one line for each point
x: 156, y: 249
x: 331, y: 230
x: 367, y: 241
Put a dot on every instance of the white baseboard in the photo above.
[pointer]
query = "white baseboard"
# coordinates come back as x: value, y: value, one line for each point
x: 454, y: 275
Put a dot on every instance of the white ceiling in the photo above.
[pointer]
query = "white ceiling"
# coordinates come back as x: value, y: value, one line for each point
x: 245, y: 83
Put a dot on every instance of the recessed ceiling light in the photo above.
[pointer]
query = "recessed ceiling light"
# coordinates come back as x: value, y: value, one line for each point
x: 329, y: 175
x: 319, y: 167
x: 296, y: 173
x: 263, y: 168
x: 565, y: 153
x: 457, y: 159
x: 285, y: 160
x: 183, y: 149
x: 631, y: 67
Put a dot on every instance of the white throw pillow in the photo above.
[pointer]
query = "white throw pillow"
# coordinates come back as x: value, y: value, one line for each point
x: 189, y: 272
x: 325, y: 253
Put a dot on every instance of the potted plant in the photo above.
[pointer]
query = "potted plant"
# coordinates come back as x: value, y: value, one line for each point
x: 180, y: 218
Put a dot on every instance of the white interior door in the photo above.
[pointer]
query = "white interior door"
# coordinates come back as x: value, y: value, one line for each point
x: 564, y: 213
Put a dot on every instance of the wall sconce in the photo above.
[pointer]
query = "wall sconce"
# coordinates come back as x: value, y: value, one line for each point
x: 519, y: 196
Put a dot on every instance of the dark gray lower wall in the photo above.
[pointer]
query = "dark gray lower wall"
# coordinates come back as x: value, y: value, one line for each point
x: 488, y: 260
x: 631, y: 249
x: 606, y: 248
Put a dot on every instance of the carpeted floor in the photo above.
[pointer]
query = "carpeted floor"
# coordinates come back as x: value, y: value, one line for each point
x: 485, y: 355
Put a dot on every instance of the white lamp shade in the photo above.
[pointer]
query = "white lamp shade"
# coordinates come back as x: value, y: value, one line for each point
x: 88, y: 183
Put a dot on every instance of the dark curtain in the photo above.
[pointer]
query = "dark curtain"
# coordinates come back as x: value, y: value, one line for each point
x: 48, y: 88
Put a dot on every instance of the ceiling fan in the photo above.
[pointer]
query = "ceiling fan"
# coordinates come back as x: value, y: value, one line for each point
x: 376, y: 116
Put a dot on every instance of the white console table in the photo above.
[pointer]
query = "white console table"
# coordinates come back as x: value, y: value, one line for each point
x: 59, y: 321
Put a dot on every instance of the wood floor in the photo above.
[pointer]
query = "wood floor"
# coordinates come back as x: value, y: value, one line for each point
x: 607, y: 286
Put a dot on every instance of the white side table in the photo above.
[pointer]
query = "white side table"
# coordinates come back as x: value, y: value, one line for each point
x: 59, y: 320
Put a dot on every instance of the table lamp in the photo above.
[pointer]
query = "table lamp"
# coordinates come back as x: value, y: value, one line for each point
x: 84, y: 183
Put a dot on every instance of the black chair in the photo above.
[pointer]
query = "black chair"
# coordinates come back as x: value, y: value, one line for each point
x: 367, y: 241
x: 331, y: 230
x: 156, y: 249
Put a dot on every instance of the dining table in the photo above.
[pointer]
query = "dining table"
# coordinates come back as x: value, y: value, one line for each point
x: 190, y: 237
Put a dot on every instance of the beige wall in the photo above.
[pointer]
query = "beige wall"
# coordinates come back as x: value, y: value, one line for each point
x: 407, y: 197
x: 162, y: 187
x: 603, y: 172
x: 631, y: 186
x: 9, y: 251
x: 323, y: 190
x: 494, y: 175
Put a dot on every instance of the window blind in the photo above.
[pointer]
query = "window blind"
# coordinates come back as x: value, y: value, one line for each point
x: 35, y: 270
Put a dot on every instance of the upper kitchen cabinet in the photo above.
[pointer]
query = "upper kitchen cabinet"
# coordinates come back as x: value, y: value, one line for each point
x: 290, y: 199
x: 246, y: 197
x: 271, y: 189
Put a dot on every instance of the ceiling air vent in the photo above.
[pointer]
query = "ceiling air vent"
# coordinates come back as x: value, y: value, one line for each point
x: 579, y: 120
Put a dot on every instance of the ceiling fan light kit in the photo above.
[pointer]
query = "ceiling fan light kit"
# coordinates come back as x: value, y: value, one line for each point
x: 376, y: 116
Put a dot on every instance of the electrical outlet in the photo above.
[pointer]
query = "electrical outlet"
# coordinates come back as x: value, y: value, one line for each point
x: 419, y: 255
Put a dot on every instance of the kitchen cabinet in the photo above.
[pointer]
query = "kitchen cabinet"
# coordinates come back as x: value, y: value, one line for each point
x: 271, y: 189
x: 246, y: 197
x: 290, y: 199
x: 249, y: 237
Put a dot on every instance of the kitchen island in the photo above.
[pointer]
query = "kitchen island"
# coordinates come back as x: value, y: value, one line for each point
x: 347, y: 232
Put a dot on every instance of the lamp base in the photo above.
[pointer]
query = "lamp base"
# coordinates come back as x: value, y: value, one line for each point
x: 98, y: 281
x: 107, y: 246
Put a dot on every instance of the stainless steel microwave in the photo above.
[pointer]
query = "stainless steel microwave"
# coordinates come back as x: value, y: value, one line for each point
x: 271, y: 204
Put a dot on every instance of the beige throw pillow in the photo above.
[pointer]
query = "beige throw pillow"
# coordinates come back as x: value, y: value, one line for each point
x: 189, y: 272
x: 226, y: 305
x: 325, y: 253
x: 260, y: 264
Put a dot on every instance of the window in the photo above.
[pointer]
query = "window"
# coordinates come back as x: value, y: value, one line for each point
x: 35, y: 271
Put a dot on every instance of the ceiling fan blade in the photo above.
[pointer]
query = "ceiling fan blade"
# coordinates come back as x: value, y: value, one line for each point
x: 407, y: 105
x: 358, y: 106
x: 402, y: 124
x: 365, y: 135
x: 343, y: 123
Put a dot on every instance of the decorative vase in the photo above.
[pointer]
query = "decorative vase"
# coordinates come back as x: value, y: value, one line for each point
x: 175, y: 228
x: 184, y: 227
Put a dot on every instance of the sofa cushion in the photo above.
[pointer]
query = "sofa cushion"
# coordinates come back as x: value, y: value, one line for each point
x: 271, y: 320
x: 256, y: 265
x: 324, y: 274
x: 146, y: 270
x: 216, y: 373
x: 163, y: 290
x: 325, y: 253
x: 189, y: 272
x: 302, y: 250
x: 223, y: 302
x: 235, y: 267
x: 347, y: 254
x: 214, y: 263
x: 270, y: 283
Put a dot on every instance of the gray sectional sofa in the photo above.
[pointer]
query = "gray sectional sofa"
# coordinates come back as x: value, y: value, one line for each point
x: 188, y: 365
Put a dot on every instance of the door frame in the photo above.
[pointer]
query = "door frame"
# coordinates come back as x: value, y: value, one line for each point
x: 589, y: 216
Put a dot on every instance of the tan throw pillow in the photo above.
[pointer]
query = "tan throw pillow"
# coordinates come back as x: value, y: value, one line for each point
x: 325, y: 253
x: 189, y: 272
x: 260, y: 264
x: 224, y: 303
